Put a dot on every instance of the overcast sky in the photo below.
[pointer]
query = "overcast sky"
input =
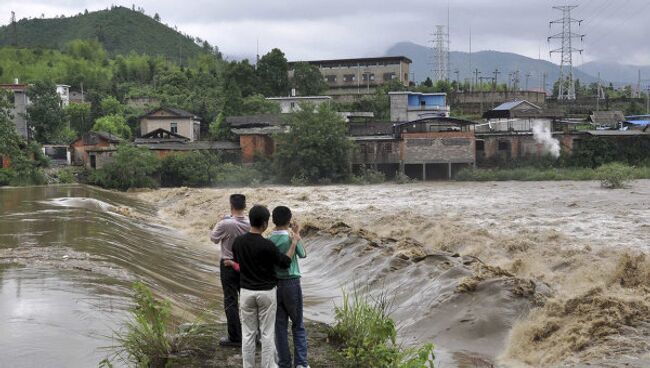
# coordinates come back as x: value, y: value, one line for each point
x: 617, y: 30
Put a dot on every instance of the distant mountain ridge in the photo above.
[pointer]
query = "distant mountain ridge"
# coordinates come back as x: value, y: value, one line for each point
x: 119, y: 29
x: 488, y: 61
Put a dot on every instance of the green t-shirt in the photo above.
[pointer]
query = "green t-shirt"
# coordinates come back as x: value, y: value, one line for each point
x: 281, y: 240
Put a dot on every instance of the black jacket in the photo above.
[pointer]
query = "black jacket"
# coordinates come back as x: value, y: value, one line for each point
x: 256, y: 257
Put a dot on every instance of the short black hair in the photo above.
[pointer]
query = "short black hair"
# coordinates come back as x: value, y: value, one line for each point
x: 259, y: 216
x: 281, y: 215
x: 238, y: 201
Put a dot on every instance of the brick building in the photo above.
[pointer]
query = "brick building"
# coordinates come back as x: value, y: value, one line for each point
x: 94, y: 149
x: 349, y: 79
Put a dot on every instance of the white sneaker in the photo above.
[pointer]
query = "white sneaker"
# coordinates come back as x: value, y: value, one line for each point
x: 302, y: 366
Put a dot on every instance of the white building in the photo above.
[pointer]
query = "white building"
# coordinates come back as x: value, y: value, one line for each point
x: 63, y: 91
x: 292, y: 104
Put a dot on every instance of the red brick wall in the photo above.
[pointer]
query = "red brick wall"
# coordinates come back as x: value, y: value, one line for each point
x: 252, y: 144
x: 6, y: 162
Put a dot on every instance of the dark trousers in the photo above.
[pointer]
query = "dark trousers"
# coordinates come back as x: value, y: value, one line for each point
x: 290, y: 307
x: 230, y: 285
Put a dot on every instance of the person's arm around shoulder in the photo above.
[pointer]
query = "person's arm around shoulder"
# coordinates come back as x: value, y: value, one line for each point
x: 283, y: 260
x: 300, y: 249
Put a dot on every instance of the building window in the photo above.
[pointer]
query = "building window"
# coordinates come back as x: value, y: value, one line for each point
x: 480, y: 145
x: 368, y: 76
x: 504, y: 146
x: 389, y: 76
x: 349, y: 78
x: 330, y: 78
x: 174, y: 128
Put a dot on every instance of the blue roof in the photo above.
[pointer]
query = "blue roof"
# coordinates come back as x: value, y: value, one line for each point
x: 639, y: 122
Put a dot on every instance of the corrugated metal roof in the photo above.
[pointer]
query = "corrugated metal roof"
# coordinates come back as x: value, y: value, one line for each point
x: 510, y: 105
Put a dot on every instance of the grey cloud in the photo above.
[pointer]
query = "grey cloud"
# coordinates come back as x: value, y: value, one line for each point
x: 616, y: 30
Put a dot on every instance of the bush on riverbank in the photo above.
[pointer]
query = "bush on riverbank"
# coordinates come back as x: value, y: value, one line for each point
x: 544, y: 174
x: 131, y: 167
x: 615, y: 175
x: 368, y: 337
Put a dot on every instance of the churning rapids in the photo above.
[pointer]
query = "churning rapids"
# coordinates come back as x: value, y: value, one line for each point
x: 510, y: 274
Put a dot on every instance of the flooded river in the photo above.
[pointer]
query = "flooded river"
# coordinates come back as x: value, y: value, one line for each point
x: 510, y: 274
x: 68, y: 257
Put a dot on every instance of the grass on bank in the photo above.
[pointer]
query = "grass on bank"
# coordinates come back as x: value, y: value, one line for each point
x: 367, y: 336
x: 364, y: 336
x: 613, y: 175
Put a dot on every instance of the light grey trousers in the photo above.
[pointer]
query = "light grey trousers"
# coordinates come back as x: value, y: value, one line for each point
x: 257, y: 311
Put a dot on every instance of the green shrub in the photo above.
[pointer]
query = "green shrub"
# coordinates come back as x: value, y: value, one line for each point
x: 193, y: 169
x: 368, y: 337
x: 401, y: 178
x: 131, y: 167
x: 299, y: 180
x: 6, y: 176
x: 368, y: 176
x: 65, y: 176
x: 614, y: 175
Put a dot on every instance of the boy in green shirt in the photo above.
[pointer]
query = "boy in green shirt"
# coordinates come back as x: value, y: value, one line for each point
x: 289, y: 293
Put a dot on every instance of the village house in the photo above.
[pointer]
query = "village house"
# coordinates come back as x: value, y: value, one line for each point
x: 173, y: 120
x: 21, y: 101
x: 164, y: 143
x: 413, y: 106
x: 94, y: 149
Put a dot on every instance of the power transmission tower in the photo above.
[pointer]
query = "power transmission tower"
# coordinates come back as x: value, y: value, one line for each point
x: 441, y: 54
x: 14, y: 31
x: 567, y: 90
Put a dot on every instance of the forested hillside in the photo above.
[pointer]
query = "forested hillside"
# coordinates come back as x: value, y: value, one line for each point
x: 120, y: 30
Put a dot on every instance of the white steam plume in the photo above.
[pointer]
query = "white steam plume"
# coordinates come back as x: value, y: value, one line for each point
x: 543, y: 136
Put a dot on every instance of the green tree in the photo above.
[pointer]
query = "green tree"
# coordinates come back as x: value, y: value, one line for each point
x: 218, y: 130
x: 86, y: 49
x: 427, y: 82
x: 316, y: 147
x: 272, y: 71
x: 258, y: 104
x: 78, y: 115
x: 308, y: 80
x: 243, y: 75
x: 131, y: 167
x: 45, y: 114
x: 111, y: 106
x: 114, y: 124
x: 10, y: 141
x: 156, y: 17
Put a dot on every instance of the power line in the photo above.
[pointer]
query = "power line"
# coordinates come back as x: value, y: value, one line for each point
x: 567, y: 87
x: 441, y: 54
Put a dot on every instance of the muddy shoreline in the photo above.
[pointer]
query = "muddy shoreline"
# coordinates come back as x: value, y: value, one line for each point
x: 576, y: 241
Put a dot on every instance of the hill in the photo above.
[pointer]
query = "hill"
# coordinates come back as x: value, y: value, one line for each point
x: 486, y: 62
x: 614, y: 72
x: 119, y: 29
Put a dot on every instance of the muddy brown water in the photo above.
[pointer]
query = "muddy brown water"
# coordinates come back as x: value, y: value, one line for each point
x: 68, y: 258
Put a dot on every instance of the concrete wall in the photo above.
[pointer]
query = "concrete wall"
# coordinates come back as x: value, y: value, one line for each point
x: 187, y: 127
x: 514, y: 125
x: 441, y: 147
x: 21, y: 101
x: 101, y: 158
x: 80, y: 150
x: 376, y: 152
x: 505, y: 147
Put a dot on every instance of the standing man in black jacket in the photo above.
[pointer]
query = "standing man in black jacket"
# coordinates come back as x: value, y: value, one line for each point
x: 257, y: 257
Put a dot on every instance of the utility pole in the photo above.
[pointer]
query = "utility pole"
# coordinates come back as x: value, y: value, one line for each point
x: 470, y: 54
x: 527, y: 78
x: 496, y: 78
x: 638, y: 86
x: 457, y: 72
x: 476, y: 73
x: 600, y: 94
x: 567, y: 90
x: 441, y: 54
x: 544, y: 76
